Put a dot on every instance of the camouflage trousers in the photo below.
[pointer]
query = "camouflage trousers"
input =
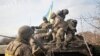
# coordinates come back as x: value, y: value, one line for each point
x: 69, y: 37
x: 59, y: 37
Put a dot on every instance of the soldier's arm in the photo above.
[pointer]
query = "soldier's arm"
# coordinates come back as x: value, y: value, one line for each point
x: 41, y: 25
x: 35, y: 49
x: 71, y: 26
x: 37, y: 42
x: 56, y: 22
x: 49, y: 25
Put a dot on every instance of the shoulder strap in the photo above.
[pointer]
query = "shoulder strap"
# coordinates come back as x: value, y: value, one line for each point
x: 16, y: 48
x: 10, y: 51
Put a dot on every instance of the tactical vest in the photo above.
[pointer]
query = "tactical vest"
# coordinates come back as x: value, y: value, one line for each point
x: 10, y: 51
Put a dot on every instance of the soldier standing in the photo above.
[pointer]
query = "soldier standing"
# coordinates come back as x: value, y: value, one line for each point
x: 20, y: 46
x: 61, y: 26
x: 54, y: 30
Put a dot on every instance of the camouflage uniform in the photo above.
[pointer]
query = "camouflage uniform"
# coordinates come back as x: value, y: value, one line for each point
x: 71, y: 23
x: 38, y: 48
x: 44, y: 26
x: 58, y: 30
x: 20, y: 44
x: 60, y: 26
x: 54, y: 30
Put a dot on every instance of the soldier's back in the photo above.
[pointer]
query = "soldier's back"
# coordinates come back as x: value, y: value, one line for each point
x: 16, y: 48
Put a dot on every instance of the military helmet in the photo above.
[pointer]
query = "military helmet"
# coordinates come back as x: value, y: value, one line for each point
x: 25, y: 31
x: 65, y: 11
x: 44, y: 18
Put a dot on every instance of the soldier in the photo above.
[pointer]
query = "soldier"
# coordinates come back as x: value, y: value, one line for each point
x: 54, y: 30
x: 63, y: 12
x: 44, y: 27
x: 61, y: 27
x: 71, y: 23
x: 37, y: 44
x: 20, y: 46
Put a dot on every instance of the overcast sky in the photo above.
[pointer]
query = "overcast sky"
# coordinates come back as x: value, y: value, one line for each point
x: 15, y: 13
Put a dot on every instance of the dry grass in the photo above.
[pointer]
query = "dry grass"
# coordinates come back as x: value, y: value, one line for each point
x: 91, y: 38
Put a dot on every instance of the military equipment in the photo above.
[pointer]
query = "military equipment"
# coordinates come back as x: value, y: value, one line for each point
x: 6, y: 39
x: 7, y: 36
x: 77, y: 48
